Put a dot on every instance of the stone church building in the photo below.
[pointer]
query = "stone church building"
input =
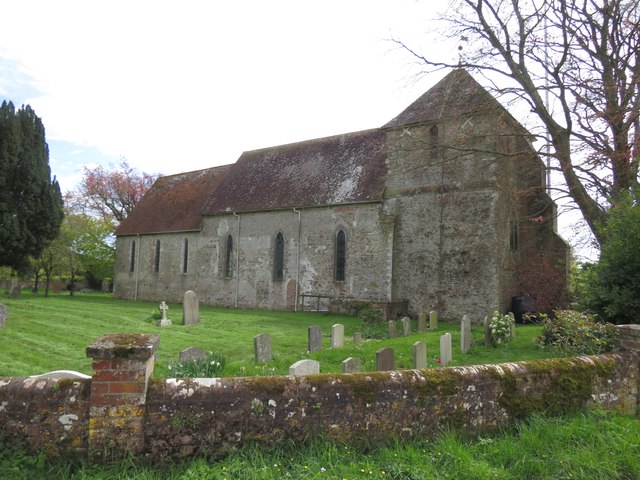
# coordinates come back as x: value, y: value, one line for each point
x: 442, y: 208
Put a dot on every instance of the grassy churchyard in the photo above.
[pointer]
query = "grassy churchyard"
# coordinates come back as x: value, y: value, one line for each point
x: 44, y: 334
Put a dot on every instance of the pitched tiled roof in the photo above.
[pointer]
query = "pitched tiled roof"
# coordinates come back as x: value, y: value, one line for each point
x: 327, y: 171
x: 174, y: 202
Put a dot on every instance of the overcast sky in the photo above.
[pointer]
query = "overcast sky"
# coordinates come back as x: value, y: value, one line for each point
x: 177, y: 86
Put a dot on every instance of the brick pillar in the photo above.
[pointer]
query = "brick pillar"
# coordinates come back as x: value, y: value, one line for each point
x: 122, y: 367
x: 628, y: 337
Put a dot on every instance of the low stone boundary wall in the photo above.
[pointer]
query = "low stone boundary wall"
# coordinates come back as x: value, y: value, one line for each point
x: 122, y: 410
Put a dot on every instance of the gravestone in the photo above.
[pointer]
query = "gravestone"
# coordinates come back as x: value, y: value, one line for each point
x: 305, y: 367
x: 487, y: 331
x: 513, y: 324
x: 314, y: 336
x: 262, y: 347
x: 357, y: 338
x: 3, y: 315
x: 337, y: 336
x: 14, y: 288
x: 419, y: 355
x: 422, y: 322
x: 406, y: 326
x: 393, y: 329
x: 351, y: 365
x: 433, y: 320
x: 164, y: 321
x: 385, y: 360
x: 445, y: 349
x: 192, y: 353
x: 465, y: 334
x: 190, y: 309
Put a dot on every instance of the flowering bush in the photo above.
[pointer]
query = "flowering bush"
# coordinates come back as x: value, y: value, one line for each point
x: 576, y: 333
x: 206, y: 367
x: 500, y: 327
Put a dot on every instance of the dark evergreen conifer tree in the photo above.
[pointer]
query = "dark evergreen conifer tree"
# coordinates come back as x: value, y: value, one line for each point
x: 30, y: 201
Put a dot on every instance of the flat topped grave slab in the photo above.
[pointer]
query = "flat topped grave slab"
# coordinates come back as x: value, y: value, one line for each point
x: 123, y: 345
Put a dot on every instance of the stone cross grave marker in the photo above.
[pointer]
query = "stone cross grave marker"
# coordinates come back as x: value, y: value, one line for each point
x: 314, y: 336
x: 190, y: 309
x: 393, y: 329
x: 433, y: 320
x: 385, y: 360
x: 192, y: 353
x: 419, y: 355
x: 406, y: 326
x: 487, y: 331
x: 351, y: 365
x: 3, y: 315
x: 357, y: 338
x: 422, y: 322
x: 445, y: 349
x: 262, y: 348
x: 465, y: 334
x: 337, y: 336
x: 164, y: 321
x: 305, y: 367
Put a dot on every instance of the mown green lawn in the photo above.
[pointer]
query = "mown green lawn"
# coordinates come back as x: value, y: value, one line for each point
x: 44, y: 334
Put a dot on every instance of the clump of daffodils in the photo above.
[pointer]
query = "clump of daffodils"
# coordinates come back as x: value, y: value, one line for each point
x: 207, y: 367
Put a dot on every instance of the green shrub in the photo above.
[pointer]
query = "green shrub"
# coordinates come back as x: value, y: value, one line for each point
x: 207, y: 367
x: 576, y: 333
x: 374, y: 330
x: 500, y: 327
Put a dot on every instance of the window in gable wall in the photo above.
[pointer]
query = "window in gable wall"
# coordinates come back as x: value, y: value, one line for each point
x: 132, y: 257
x: 514, y: 235
x: 228, y: 264
x: 340, y: 256
x: 185, y: 255
x: 278, y: 259
x: 156, y: 263
x: 434, y: 142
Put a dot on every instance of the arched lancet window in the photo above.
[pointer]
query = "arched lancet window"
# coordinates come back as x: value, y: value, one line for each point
x: 228, y: 264
x: 341, y: 255
x: 434, y: 141
x: 132, y: 257
x: 278, y: 259
x: 185, y: 255
x: 156, y: 263
x: 514, y: 235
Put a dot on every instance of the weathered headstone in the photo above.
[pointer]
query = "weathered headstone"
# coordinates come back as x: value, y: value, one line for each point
x: 351, y: 365
x: 305, y: 367
x: 262, y: 347
x: 422, y: 322
x: 337, y: 336
x: 445, y: 349
x: 14, y: 288
x: 465, y: 334
x: 192, y: 353
x: 3, y: 315
x: 513, y: 324
x: 385, y: 360
x: 419, y: 355
x: 406, y: 326
x: 393, y: 329
x: 106, y: 285
x: 487, y: 331
x: 314, y: 336
x: 164, y: 321
x: 433, y: 320
x: 190, y: 309
x: 357, y: 338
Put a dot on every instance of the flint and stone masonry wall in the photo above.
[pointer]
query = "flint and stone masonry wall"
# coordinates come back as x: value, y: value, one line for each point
x: 121, y: 410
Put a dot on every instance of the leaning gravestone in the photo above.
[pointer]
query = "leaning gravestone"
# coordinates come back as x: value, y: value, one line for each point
x: 384, y: 360
x: 422, y: 322
x: 393, y: 329
x: 351, y: 365
x: 337, y: 336
x: 433, y: 320
x: 190, y: 309
x: 445, y: 349
x: 305, y: 367
x: 419, y: 355
x: 465, y: 334
x: 314, y: 334
x: 406, y: 326
x: 164, y: 321
x: 3, y: 315
x: 192, y: 353
x: 262, y: 348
